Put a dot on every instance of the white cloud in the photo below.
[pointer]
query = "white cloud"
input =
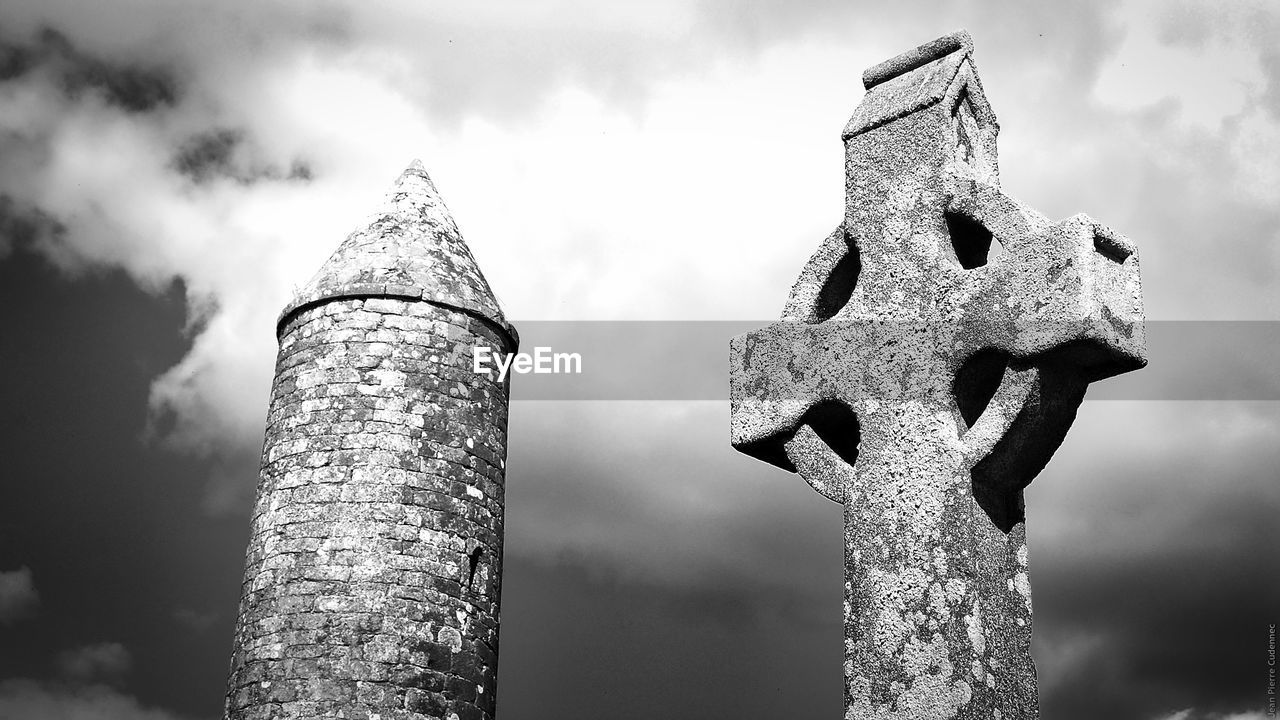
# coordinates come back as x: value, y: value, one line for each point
x: 1211, y: 77
x: 1207, y: 59
x: 21, y: 698
x: 1192, y: 714
x: 636, y: 163
x: 1059, y: 659
x: 622, y: 217
x: 195, y: 620
x: 103, y: 661
x: 18, y: 596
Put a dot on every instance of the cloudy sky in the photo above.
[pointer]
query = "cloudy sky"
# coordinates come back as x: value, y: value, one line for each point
x: 171, y: 171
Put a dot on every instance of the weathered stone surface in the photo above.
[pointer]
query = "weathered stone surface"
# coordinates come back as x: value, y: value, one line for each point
x: 923, y: 381
x: 374, y: 565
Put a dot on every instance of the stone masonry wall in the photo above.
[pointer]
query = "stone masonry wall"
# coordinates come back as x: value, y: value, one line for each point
x: 372, y: 577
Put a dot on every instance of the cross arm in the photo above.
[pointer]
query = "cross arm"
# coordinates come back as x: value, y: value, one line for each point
x: 785, y: 380
x: 1064, y: 307
x: 773, y: 380
x: 1069, y: 294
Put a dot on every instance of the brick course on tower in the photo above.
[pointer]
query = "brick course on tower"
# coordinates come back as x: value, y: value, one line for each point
x: 374, y: 564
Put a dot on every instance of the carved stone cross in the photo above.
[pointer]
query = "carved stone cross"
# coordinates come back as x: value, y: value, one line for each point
x: 929, y: 361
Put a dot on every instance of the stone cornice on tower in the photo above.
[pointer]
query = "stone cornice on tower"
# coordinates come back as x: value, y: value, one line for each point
x: 410, y: 249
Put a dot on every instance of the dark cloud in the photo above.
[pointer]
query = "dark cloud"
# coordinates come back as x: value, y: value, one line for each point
x: 1153, y: 589
x: 501, y: 69
x: 657, y: 489
x: 208, y: 154
x: 114, y: 535
x: 1157, y: 621
x: 582, y: 641
x: 134, y: 88
x: 223, y: 153
x: 23, y: 225
x: 1158, y: 569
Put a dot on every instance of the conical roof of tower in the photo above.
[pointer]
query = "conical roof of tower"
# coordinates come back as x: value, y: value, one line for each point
x: 410, y: 248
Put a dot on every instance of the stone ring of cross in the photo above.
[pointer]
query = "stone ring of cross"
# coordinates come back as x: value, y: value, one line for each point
x: 929, y: 361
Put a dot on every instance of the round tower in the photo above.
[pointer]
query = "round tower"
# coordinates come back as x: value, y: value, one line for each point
x: 374, y: 564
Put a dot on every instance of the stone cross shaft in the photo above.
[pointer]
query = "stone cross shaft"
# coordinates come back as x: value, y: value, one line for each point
x: 929, y: 361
